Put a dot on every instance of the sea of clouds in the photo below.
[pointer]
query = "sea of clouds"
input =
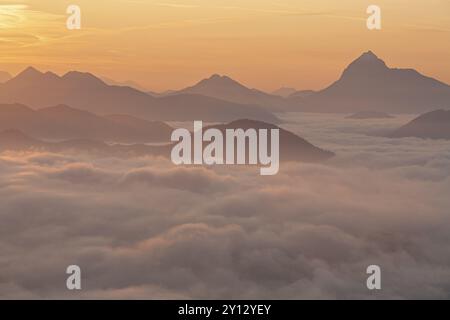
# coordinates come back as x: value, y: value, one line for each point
x: 143, y: 228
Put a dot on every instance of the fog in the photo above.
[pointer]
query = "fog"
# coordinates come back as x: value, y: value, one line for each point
x: 144, y: 228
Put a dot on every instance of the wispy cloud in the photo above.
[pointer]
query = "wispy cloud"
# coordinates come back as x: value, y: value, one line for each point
x: 20, y: 26
x: 11, y: 15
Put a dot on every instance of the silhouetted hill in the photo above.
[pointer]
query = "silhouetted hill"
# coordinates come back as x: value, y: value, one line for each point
x: 86, y: 92
x: 432, y: 125
x: 368, y: 84
x: 292, y: 147
x: 62, y: 122
x: 225, y: 88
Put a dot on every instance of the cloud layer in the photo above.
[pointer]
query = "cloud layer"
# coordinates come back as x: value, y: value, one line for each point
x: 143, y: 228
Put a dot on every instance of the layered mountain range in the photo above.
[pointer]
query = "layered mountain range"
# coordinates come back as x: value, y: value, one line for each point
x: 62, y: 122
x: 369, y: 84
x: 225, y: 88
x: 87, y: 92
x: 366, y: 84
x: 81, y: 107
x: 292, y: 147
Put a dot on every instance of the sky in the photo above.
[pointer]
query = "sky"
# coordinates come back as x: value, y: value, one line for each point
x: 264, y: 44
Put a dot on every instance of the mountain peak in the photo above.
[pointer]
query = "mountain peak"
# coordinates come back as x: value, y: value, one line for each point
x: 369, y: 58
x: 369, y: 55
x: 217, y: 78
x: 32, y: 75
x: 31, y: 70
x: 79, y: 75
x: 217, y: 82
x: 367, y: 63
x: 29, y: 73
x: 82, y: 78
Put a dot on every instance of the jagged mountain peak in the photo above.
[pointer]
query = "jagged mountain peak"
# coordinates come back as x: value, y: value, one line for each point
x: 30, y: 73
x: 368, y: 62
x: 82, y: 77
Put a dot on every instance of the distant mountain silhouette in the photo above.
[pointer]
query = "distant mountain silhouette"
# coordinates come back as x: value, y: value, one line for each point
x: 284, y: 92
x: 225, y: 88
x: 128, y: 83
x: 431, y: 125
x: 62, y: 122
x: 87, y: 92
x: 292, y: 147
x: 368, y: 84
x: 370, y: 115
x: 4, y: 76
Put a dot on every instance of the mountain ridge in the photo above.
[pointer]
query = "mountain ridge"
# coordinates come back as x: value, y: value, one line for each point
x: 431, y: 125
x: 83, y: 90
x: 226, y: 88
x: 369, y: 84
x: 292, y: 147
x: 62, y: 122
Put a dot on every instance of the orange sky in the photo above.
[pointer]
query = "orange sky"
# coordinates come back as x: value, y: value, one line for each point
x: 169, y: 44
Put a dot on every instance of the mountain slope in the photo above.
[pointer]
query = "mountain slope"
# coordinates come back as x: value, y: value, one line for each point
x: 127, y: 83
x: 87, y: 92
x: 292, y: 147
x: 62, y: 122
x: 4, y: 76
x: 225, y: 88
x: 369, y: 84
x: 431, y: 125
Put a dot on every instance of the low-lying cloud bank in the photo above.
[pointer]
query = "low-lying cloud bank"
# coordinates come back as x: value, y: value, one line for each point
x: 143, y: 228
